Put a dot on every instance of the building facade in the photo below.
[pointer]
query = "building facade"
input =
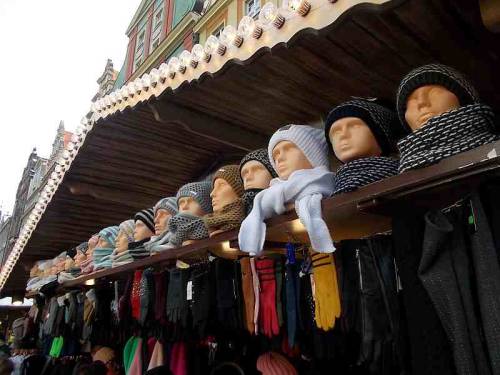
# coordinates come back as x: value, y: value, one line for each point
x: 164, y: 28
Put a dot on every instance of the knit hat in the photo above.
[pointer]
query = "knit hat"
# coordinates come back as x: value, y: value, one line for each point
x: 272, y: 363
x: 147, y: 217
x: 104, y: 355
x: 83, y: 247
x: 262, y: 157
x: 381, y: 121
x: 434, y: 74
x: 109, y: 234
x: 230, y: 174
x: 127, y: 227
x: 310, y: 141
x: 169, y: 204
x: 200, y: 191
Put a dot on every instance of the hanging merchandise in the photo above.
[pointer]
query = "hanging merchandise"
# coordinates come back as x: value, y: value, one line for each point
x: 202, y: 296
x: 292, y: 298
x: 177, y: 303
x: 268, y: 316
x: 248, y: 294
x: 271, y: 363
x: 102, y: 252
x: 227, y: 275
x: 135, y: 295
x: 163, y: 212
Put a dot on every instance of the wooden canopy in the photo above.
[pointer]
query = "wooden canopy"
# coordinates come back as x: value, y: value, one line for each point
x: 134, y: 157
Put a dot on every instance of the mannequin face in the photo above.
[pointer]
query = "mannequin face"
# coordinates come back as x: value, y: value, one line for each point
x: 191, y: 206
x: 121, y: 242
x: 255, y: 175
x: 141, y: 231
x: 79, y: 258
x: 162, y: 218
x: 427, y: 102
x: 222, y: 194
x: 289, y: 158
x: 102, y: 243
x: 352, y: 139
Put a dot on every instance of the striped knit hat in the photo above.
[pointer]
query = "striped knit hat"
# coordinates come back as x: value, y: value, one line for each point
x: 147, y: 217
x: 311, y: 142
x: 230, y: 174
x: 381, y: 121
x: 169, y: 204
x: 262, y: 157
x: 200, y: 191
x: 109, y: 234
x: 434, y: 74
x: 272, y: 363
x: 127, y: 227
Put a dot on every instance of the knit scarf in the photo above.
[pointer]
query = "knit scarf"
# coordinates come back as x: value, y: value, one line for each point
x: 448, y: 134
x: 361, y: 172
x: 184, y: 226
x: 305, y: 187
x: 102, y: 257
x: 157, y: 243
x: 248, y: 197
x: 137, y: 249
x: 230, y: 217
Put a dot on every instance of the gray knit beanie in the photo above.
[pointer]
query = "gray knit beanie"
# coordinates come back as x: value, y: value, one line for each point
x: 127, y: 227
x: 309, y: 140
x: 169, y: 204
x: 109, y: 234
x: 262, y: 157
x: 200, y: 191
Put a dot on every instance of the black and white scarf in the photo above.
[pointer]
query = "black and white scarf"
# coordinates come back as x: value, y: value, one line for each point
x: 248, y: 197
x: 448, y: 134
x: 361, y: 172
x: 184, y: 226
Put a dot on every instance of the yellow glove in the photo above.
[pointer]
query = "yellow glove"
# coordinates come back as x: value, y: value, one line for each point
x: 326, y: 291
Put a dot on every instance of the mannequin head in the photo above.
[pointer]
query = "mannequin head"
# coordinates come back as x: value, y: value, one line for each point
x: 360, y: 128
x: 194, y: 198
x: 427, y: 102
x: 227, y: 187
x: 429, y: 91
x: 144, y: 224
x: 92, y: 245
x: 107, y: 237
x: 296, y: 147
x: 125, y: 235
x: 256, y: 170
x: 164, y: 210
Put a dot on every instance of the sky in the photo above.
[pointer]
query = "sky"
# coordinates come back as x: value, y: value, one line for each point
x: 53, y: 52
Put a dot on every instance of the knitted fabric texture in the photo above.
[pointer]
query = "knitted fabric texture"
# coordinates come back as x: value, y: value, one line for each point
x: 361, y: 172
x: 448, y: 134
x: 109, y: 234
x: 169, y: 204
x: 83, y: 247
x: 230, y: 174
x: 185, y: 227
x: 147, y: 217
x: 309, y: 140
x: 272, y: 363
x: 158, y: 243
x: 434, y: 74
x: 248, y: 197
x: 137, y: 250
x: 262, y: 157
x: 381, y: 121
x: 230, y: 217
x: 200, y: 191
x: 127, y: 228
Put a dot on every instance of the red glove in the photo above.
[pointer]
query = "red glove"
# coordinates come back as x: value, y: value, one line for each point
x: 135, y: 296
x: 268, y: 316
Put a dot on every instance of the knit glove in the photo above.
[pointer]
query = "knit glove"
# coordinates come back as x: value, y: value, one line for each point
x: 177, y: 304
x: 202, y: 297
x: 227, y: 293
x: 326, y: 291
x: 248, y: 293
x: 146, y: 295
x: 278, y: 271
x: 160, y: 296
x: 292, y: 302
x: 268, y: 316
x: 135, y: 295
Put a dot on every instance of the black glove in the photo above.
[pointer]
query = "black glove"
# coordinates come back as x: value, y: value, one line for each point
x: 201, y: 304
x: 292, y: 302
x: 227, y: 293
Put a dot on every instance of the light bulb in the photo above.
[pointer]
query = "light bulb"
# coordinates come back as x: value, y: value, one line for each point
x: 248, y: 27
x: 71, y: 146
x: 302, y: 7
x: 185, y: 60
x: 164, y: 71
x: 146, y: 81
x: 107, y: 101
x: 113, y: 99
x: 124, y: 92
x: 270, y: 15
x: 154, y: 75
x: 173, y: 66
x: 211, y: 45
x: 229, y: 37
x: 131, y: 89
x: 119, y: 96
x: 198, y: 54
x: 66, y: 154
x: 138, y: 86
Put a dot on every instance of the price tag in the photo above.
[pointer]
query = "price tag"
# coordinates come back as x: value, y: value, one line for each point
x: 189, y: 291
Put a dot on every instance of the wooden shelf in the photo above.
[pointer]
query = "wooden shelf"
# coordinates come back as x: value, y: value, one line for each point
x: 359, y: 214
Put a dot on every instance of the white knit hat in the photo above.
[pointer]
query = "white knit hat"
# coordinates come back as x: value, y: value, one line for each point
x: 311, y: 142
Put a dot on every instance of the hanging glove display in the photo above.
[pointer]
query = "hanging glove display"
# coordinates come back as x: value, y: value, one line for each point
x: 268, y: 316
x: 227, y: 293
x: 326, y: 291
x: 135, y: 295
x: 161, y: 288
x: 292, y: 287
x: 201, y: 304
x: 278, y: 271
x: 146, y: 293
x: 177, y: 304
x: 248, y: 293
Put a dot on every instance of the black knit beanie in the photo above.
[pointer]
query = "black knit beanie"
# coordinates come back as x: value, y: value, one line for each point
x: 381, y: 121
x: 147, y: 217
x: 433, y: 74
x: 262, y: 157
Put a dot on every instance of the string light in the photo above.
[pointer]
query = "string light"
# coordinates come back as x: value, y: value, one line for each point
x: 213, y: 45
x: 302, y: 7
x: 229, y: 37
x: 185, y: 59
x: 198, y: 54
x: 248, y: 27
x: 270, y: 15
x: 173, y: 66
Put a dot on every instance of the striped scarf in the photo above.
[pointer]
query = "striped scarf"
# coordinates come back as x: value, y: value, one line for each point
x: 361, y: 172
x: 448, y: 134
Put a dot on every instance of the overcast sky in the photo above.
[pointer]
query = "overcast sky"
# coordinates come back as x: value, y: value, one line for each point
x: 53, y: 51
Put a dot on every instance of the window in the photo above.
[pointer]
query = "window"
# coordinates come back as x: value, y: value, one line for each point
x: 156, y: 29
x: 139, y: 49
x: 218, y: 30
x: 252, y: 8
